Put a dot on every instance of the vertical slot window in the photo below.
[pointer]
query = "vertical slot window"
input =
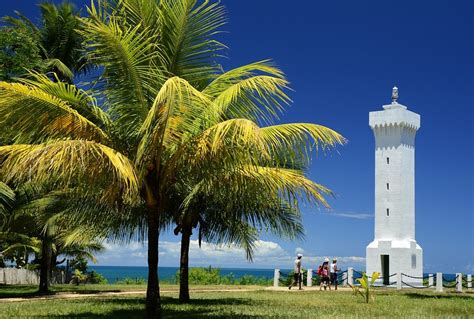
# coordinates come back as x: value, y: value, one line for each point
x: 388, y: 186
x: 388, y: 212
x: 388, y: 160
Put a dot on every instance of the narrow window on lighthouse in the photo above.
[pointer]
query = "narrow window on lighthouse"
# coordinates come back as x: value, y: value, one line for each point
x: 388, y: 160
x: 388, y: 212
x: 388, y: 186
x: 413, y: 261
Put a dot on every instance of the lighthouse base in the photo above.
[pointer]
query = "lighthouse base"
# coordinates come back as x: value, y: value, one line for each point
x: 389, y: 257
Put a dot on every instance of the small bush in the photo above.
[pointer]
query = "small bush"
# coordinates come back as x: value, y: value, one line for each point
x: 96, y: 278
x: 212, y: 276
x: 131, y: 281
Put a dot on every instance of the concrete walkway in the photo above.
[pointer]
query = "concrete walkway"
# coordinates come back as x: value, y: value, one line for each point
x: 313, y: 288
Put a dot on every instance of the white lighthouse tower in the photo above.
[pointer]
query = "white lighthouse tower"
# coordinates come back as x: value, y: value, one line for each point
x: 394, y: 248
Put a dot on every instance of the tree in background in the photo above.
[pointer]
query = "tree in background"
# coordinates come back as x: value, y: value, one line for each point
x: 57, y: 38
x: 19, y: 52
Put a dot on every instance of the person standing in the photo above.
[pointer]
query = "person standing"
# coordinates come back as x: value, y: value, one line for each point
x: 334, y: 269
x: 298, y: 275
x: 325, y: 275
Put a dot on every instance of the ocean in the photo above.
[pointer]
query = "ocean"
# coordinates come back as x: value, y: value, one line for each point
x: 116, y: 273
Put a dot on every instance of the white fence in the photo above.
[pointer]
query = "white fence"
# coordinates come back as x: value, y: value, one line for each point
x: 14, y: 276
x: 401, y: 280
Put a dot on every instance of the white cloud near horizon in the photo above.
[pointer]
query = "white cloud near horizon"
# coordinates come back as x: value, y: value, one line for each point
x: 267, y: 254
x: 354, y: 215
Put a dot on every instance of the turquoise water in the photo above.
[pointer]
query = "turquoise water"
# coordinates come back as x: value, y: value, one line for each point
x: 115, y: 273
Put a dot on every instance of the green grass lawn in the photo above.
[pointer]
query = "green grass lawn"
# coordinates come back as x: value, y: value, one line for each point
x: 255, y: 304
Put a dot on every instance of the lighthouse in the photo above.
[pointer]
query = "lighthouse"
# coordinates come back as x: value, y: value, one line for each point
x: 394, y: 248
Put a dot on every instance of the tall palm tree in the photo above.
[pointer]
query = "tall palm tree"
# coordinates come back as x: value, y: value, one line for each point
x: 161, y: 122
x: 61, y: 44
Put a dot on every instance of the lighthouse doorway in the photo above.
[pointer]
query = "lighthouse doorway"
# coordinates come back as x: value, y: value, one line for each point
x: 385, y: 261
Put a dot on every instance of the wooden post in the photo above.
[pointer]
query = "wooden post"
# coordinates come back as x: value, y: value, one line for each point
x: 399, y: 280
x: 430, y: 280
x: 276, y: 277
x: 309, y: 278
x: 458, y: 282
x: 469, y: 281
x: 439, y: 282
x: 350, y: 276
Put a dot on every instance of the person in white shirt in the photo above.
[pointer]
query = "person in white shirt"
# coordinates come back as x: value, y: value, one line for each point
x: 334, y: 270
x: 298, y: 275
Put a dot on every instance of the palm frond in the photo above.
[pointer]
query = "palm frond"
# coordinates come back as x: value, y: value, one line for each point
x: 82, y: 101
x: 188, y: 49
x: 130, y: 78
x: 37, y: 115
x: 254, y: 91
x: 71, y: 163
x: 177, y: 112
x: 7, y: 196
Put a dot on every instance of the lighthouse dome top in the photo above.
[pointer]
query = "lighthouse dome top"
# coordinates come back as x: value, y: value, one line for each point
x: 394, y: 114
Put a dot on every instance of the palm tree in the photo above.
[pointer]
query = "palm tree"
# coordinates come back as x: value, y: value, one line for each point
x: 161, y: 122
x: 47, y: 224
x: 60, y: 42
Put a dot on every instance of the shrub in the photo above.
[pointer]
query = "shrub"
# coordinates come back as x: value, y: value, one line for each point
x: 131, y: 281
x: 212, y: 276
x: 78, y: 277
x: 96, y: 278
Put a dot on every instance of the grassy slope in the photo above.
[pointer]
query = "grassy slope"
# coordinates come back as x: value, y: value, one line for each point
x: 258, y: 304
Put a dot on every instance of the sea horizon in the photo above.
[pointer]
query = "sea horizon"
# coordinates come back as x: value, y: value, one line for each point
x: 168, y: 273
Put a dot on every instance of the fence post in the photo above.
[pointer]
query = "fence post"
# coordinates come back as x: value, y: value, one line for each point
x: 430, y: 280
x: 458, y: 282
x: 276, y: 277
x: 399, y: 280
x: 344, y: 278
x: 439, y: 282
x: 309, y: 278
x: 469, y: 281
x: 350, y: 276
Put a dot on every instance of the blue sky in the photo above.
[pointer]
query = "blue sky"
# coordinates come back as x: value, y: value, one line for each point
x: 342, y: 59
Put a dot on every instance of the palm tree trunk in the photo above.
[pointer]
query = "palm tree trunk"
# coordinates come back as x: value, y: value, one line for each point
x: 184, y: 265
x: 153, y: 306
x: 45, y: 270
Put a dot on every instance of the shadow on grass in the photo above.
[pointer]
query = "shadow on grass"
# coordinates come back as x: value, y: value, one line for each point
x: 199, y: 308
x: 36, y: 294
x: 426, y: 296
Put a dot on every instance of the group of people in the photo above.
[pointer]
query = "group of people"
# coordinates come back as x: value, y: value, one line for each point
x: 327, y: 273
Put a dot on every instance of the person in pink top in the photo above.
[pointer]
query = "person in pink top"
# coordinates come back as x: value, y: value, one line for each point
x: 325, y: 275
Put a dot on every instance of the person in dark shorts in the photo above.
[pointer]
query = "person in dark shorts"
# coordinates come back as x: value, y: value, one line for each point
x: 298, y: 275
x: 333, y: 268
x: 325, y: 275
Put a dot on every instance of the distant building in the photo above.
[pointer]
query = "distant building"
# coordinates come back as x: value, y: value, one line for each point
x: 394, y: 248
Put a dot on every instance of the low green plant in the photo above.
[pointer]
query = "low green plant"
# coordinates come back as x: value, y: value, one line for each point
x: 96, y: 278
x: 79, y: 277
x: 213, y: 276
x: 365, y: 288
x: 131, y: 281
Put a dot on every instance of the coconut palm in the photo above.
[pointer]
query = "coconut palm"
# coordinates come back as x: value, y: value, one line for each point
x: 170, y: 113
x: 61, y: 44
x: 49, y: 224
